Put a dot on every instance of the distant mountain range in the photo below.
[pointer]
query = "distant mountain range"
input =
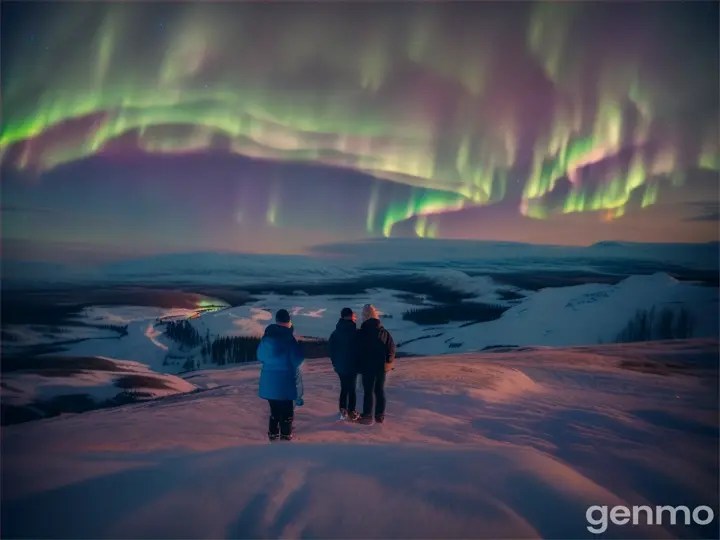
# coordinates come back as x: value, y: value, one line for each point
x: 402, y: 256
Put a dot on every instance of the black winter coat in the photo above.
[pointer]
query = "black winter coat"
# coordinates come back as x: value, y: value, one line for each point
x: 376, y: 348
x: 343, y: 347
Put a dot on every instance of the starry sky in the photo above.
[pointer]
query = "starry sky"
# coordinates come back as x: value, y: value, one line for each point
x: 135, y: 128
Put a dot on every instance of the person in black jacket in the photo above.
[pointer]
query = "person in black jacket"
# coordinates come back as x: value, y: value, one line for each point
x: 343, y: 353
x: 376, y: 350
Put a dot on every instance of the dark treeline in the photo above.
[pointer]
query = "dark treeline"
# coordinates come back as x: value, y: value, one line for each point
x: 183, y: 332
x: 242, y: 349
x: 316, y: 348
x: 651, y: 325
x: 225, y: 350
x: 463, y: 311
x: 230, y: 350
x: 121, y: 329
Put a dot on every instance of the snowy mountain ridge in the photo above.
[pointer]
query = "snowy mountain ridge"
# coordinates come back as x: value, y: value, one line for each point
x: 378, y: 256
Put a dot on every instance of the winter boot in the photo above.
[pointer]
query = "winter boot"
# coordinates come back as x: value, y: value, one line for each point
x: 353, y: 416
x: 366, y: 419
x: 380, y: 418
x: 343, y: 414
x: 273, y: 428
x: 273, y: 436
x: 286, y: 429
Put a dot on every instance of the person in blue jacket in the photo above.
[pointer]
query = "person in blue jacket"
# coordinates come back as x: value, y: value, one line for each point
x: 280, y: 382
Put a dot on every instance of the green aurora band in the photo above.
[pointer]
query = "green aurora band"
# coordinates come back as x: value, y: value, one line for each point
x: 241, y: 84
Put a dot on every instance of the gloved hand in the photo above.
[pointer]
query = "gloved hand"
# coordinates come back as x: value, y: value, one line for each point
x: 299, y: 402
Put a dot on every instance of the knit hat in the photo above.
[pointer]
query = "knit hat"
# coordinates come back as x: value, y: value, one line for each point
x: 346, y: 312
x: 369, y: 312
x: 282, y: 316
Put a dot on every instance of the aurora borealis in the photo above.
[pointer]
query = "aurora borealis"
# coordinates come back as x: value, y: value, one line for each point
x: 422, y: 119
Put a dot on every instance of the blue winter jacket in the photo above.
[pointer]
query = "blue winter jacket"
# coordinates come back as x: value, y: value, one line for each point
x: 281, y: 357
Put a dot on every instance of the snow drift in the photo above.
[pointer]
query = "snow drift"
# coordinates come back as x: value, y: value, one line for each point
x: 494, y: 445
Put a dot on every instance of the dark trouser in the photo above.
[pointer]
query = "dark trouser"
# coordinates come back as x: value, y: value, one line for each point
x: 281, y: 416
x: 348, y: 397
x: 374, y: 385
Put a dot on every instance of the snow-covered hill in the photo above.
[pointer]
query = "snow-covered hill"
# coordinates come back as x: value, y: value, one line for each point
x: 46, y: 386
x: 583, y: 315
x: 494, y: 445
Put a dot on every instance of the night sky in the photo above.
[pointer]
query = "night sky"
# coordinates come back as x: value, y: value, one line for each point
x: 138, y: 128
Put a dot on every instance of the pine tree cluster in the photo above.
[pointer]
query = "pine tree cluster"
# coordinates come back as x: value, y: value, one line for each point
x: 183, y: 332
x: 230, y: 349
x: 460, y: 312
x: 648, y: 325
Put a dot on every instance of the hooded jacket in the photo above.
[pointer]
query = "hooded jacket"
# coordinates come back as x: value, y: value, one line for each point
x: 281, y: 357
x: 376, y: 348
x: 343, y: 347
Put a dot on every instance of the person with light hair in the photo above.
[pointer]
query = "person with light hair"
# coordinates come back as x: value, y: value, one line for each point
x: 376, y: 356
x: 369, y: 312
